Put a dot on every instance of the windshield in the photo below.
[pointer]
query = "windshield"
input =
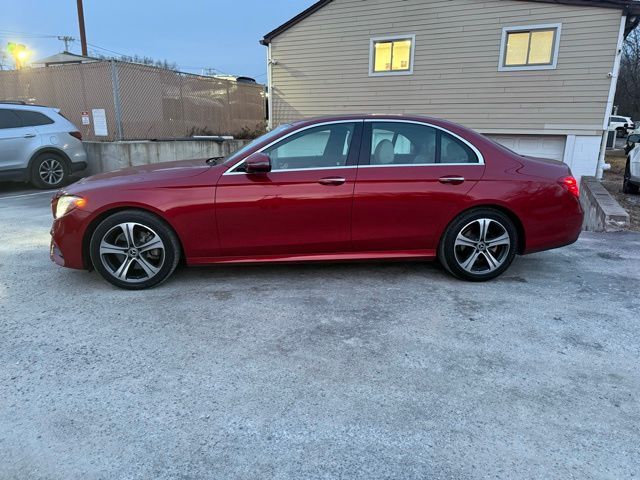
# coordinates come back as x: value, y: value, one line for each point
x: 267, y: 136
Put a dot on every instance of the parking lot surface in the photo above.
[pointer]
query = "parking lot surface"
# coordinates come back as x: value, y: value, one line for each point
x: 392, y: 370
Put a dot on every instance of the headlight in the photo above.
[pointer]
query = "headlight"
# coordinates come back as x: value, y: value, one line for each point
x: 67, y: 203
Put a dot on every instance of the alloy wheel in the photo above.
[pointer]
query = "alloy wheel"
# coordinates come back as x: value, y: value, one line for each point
x: 132, y: 252
x: 51, y: 171
x: 482, y: 246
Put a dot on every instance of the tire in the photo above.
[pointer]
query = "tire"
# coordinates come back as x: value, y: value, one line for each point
x: 49, y: 170
x: 467, y: 254
x: 627, y: 186
x: 134, y: 250
x: 621, y: 132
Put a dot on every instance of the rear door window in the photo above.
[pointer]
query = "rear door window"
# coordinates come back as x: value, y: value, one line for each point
x: 9, y: 119
x: 399, y: 143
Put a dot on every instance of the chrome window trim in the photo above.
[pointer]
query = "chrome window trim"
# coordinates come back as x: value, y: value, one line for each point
x: 397, y: 120
x: 230, y: 171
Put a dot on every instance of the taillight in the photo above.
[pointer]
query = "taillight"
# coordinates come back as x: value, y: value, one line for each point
x: 78, y: 135
x: 571, y: 185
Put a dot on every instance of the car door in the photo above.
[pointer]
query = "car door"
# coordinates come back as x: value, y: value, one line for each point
x: 17, y: 142
x: 411, y: 178
x: 634, y: 164
x: 302, y: 206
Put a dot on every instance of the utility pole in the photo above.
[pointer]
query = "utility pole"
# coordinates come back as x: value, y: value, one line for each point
x: 66, y: 41
x: 83, y: 36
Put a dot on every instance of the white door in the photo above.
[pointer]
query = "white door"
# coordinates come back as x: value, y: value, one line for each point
x: 543, y: 146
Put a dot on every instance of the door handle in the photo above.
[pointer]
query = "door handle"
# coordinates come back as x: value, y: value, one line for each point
x: 331, y: 181
x: 452, y: 180
x: 30, y: 135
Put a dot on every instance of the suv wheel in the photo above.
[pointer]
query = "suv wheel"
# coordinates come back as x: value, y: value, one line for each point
x: 479, y: 245
x: 627, y: 186
x: 49, y: 170
x: 133, y: 249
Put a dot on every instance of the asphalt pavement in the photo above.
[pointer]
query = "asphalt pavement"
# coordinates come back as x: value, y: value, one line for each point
x: 354, y: 371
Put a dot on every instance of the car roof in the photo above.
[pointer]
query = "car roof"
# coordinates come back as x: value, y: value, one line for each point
x: 26, y: 106
x: 380, y: 116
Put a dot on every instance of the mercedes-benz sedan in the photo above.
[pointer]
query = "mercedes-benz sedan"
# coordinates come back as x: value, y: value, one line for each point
x: 357, y: 187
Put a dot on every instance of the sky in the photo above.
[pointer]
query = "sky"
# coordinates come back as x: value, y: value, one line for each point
x: 195, y: 34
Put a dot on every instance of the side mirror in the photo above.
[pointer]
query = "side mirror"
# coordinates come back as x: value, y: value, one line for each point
x: 635, y: 138
x: 258, y: 162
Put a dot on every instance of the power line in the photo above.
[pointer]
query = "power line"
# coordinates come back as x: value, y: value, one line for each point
x: 73, y: 40
x: 27, y: 34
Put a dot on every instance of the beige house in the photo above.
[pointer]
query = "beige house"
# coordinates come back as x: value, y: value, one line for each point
x: 536, y: 75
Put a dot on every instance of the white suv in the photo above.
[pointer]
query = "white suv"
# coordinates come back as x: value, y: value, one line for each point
x: 621, y: 125
x: 631, y: 182
x: 39, y: 145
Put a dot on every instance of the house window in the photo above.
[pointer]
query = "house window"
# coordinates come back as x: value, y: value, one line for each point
x: 392, y: 55
x: 532, y: 47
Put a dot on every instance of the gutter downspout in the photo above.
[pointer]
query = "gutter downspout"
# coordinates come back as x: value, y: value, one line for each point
x: 612, y: 93
x: 269, y: 89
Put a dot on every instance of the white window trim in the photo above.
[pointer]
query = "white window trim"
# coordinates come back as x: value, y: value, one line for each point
x: 524, y: 28
x: 372, y: 42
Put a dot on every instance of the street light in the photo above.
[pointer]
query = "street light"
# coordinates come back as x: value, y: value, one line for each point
x: 20, y: 54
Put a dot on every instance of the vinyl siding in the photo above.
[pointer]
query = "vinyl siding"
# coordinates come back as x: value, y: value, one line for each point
x: 323, y: 64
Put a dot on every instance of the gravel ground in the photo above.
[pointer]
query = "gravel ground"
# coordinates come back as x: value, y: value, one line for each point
x: 612, y: 181
x: 319, y: 371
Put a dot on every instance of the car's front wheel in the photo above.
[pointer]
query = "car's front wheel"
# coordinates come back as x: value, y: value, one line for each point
x: 134, y: 249
x: 479, y: 245
x: 627, y: 186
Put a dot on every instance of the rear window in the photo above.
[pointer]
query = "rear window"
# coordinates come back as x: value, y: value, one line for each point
x: 33, y: 119
x: 9, y: 119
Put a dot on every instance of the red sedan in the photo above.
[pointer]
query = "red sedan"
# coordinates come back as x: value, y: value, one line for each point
x: 331, y: 189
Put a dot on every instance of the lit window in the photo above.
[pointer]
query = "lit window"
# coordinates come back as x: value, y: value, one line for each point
x: 530, y: 48
x: 392, y: 55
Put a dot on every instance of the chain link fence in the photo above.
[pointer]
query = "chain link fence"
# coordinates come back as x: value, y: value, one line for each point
x: 140, y: 102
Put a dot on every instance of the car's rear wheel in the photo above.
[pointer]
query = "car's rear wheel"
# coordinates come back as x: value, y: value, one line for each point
x: 627, y: 186
x: 49, y: 170
x: 134, y: 249
x: 479, y: 245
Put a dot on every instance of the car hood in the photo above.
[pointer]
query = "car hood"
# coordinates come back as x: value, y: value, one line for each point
x: 159, y: 173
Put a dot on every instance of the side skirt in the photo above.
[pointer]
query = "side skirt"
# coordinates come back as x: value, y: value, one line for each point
x: 320, y: 257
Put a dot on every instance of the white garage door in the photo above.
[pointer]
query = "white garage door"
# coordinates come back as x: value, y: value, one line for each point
x: 544, y: 146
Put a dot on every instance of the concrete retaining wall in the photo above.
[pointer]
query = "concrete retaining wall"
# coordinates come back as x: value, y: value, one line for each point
x: 108, y: 156
x: 602, y: 213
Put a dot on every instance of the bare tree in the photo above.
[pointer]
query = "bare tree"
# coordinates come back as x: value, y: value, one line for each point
x: 141, y: 60
x: 628, y: 91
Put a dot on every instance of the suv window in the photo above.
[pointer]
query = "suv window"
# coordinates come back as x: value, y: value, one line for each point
x: 33, y: 119
x: 8, y: 119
